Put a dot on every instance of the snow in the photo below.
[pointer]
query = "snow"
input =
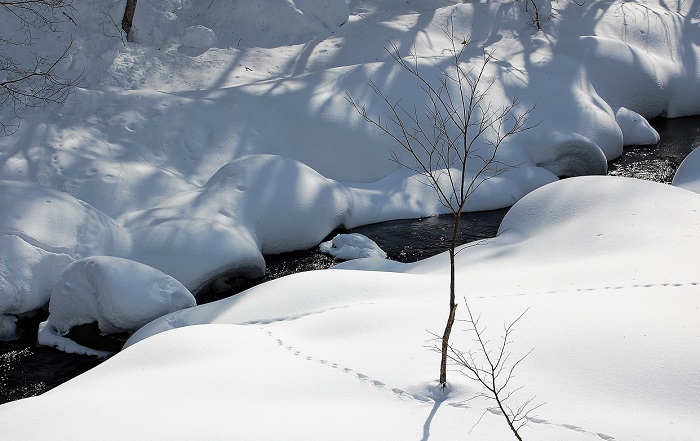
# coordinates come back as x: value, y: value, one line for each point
x: 348, y: 345
x: 42, y: 230
x: 352, y: 246
x: 688, y: 174
x: 198, y: 37
x: 119, y: 294
x: 635, y: 129
x: 221, y: 131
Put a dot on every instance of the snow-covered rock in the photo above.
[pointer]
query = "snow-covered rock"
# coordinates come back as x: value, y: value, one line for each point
x: 636, y: 130
x: 352, y: 246
x: 120, y: 295
x: 254, y: 205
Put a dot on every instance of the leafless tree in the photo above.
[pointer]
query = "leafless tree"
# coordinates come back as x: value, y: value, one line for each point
x: 493, y: 370
x: 32, y: 81
x: 459, y: 127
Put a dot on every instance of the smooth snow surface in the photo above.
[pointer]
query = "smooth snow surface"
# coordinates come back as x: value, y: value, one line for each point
x: 688, y: 174
x: 221, y: 130
x: 611, y: 314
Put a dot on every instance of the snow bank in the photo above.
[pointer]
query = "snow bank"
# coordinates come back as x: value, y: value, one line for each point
x: 168, y: 158
x: 352, y: 246
x: 559, y: 253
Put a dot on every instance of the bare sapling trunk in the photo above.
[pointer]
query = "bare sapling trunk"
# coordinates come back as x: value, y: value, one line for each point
x: 444, y: 348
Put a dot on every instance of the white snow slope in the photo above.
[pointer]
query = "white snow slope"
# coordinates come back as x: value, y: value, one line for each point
x: 222, y: 133
x: 196, y: 150
x: 611, y: 317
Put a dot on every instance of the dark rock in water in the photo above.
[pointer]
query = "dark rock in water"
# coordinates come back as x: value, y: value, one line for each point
x: 89, y: 335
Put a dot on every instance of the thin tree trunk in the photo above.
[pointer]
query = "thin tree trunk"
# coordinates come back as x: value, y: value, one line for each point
x: 128, y: 19
x: 453, y: 304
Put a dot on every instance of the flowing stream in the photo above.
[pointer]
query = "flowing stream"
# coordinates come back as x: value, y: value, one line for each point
x: 27, y: 369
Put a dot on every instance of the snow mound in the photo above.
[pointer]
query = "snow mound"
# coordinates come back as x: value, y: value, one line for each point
x: 198, y: 37
x: 254, y: 205
x: 688, y: 174
x: 42, y: 231
x: 119, y: 294
x: 352, y: 246
x: 635, y: 129
x: 568, y: 154
x: 574, y: 210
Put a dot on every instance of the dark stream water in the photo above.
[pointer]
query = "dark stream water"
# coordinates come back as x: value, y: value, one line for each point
x: 27, y: 369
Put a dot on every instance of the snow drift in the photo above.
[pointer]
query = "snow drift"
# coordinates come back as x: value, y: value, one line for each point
x: 158, y: 137
x: 591, y: 325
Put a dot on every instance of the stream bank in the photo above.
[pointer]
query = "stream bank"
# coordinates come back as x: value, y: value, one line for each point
x: 27, y: 369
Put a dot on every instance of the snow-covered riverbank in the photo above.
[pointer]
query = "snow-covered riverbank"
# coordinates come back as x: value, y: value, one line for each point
x: 195, y: 155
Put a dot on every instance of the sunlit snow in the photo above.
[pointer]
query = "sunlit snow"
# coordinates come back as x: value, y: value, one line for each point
x: 220, y: 131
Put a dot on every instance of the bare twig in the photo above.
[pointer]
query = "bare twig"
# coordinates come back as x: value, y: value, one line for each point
x: 493, y: 370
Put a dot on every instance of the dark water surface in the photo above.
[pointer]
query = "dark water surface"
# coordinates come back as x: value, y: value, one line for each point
x: 679, y: 137
x: 27, y: 369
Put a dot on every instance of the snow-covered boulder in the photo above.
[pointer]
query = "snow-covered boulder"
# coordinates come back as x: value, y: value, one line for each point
x: 42, y: 231
x: 636, y: 130
x: 120, y: 295
x: 352, y: 246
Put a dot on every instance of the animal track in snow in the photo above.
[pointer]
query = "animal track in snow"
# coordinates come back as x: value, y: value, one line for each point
x: 402, y: 394
x: 601, y: 288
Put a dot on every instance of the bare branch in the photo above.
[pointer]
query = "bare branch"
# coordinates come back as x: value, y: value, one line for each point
x: 35, y: 83
x: 490, y: 368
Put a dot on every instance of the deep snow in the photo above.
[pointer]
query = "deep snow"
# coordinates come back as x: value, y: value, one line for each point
x: 156, y: 127
x: 223, y: 132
